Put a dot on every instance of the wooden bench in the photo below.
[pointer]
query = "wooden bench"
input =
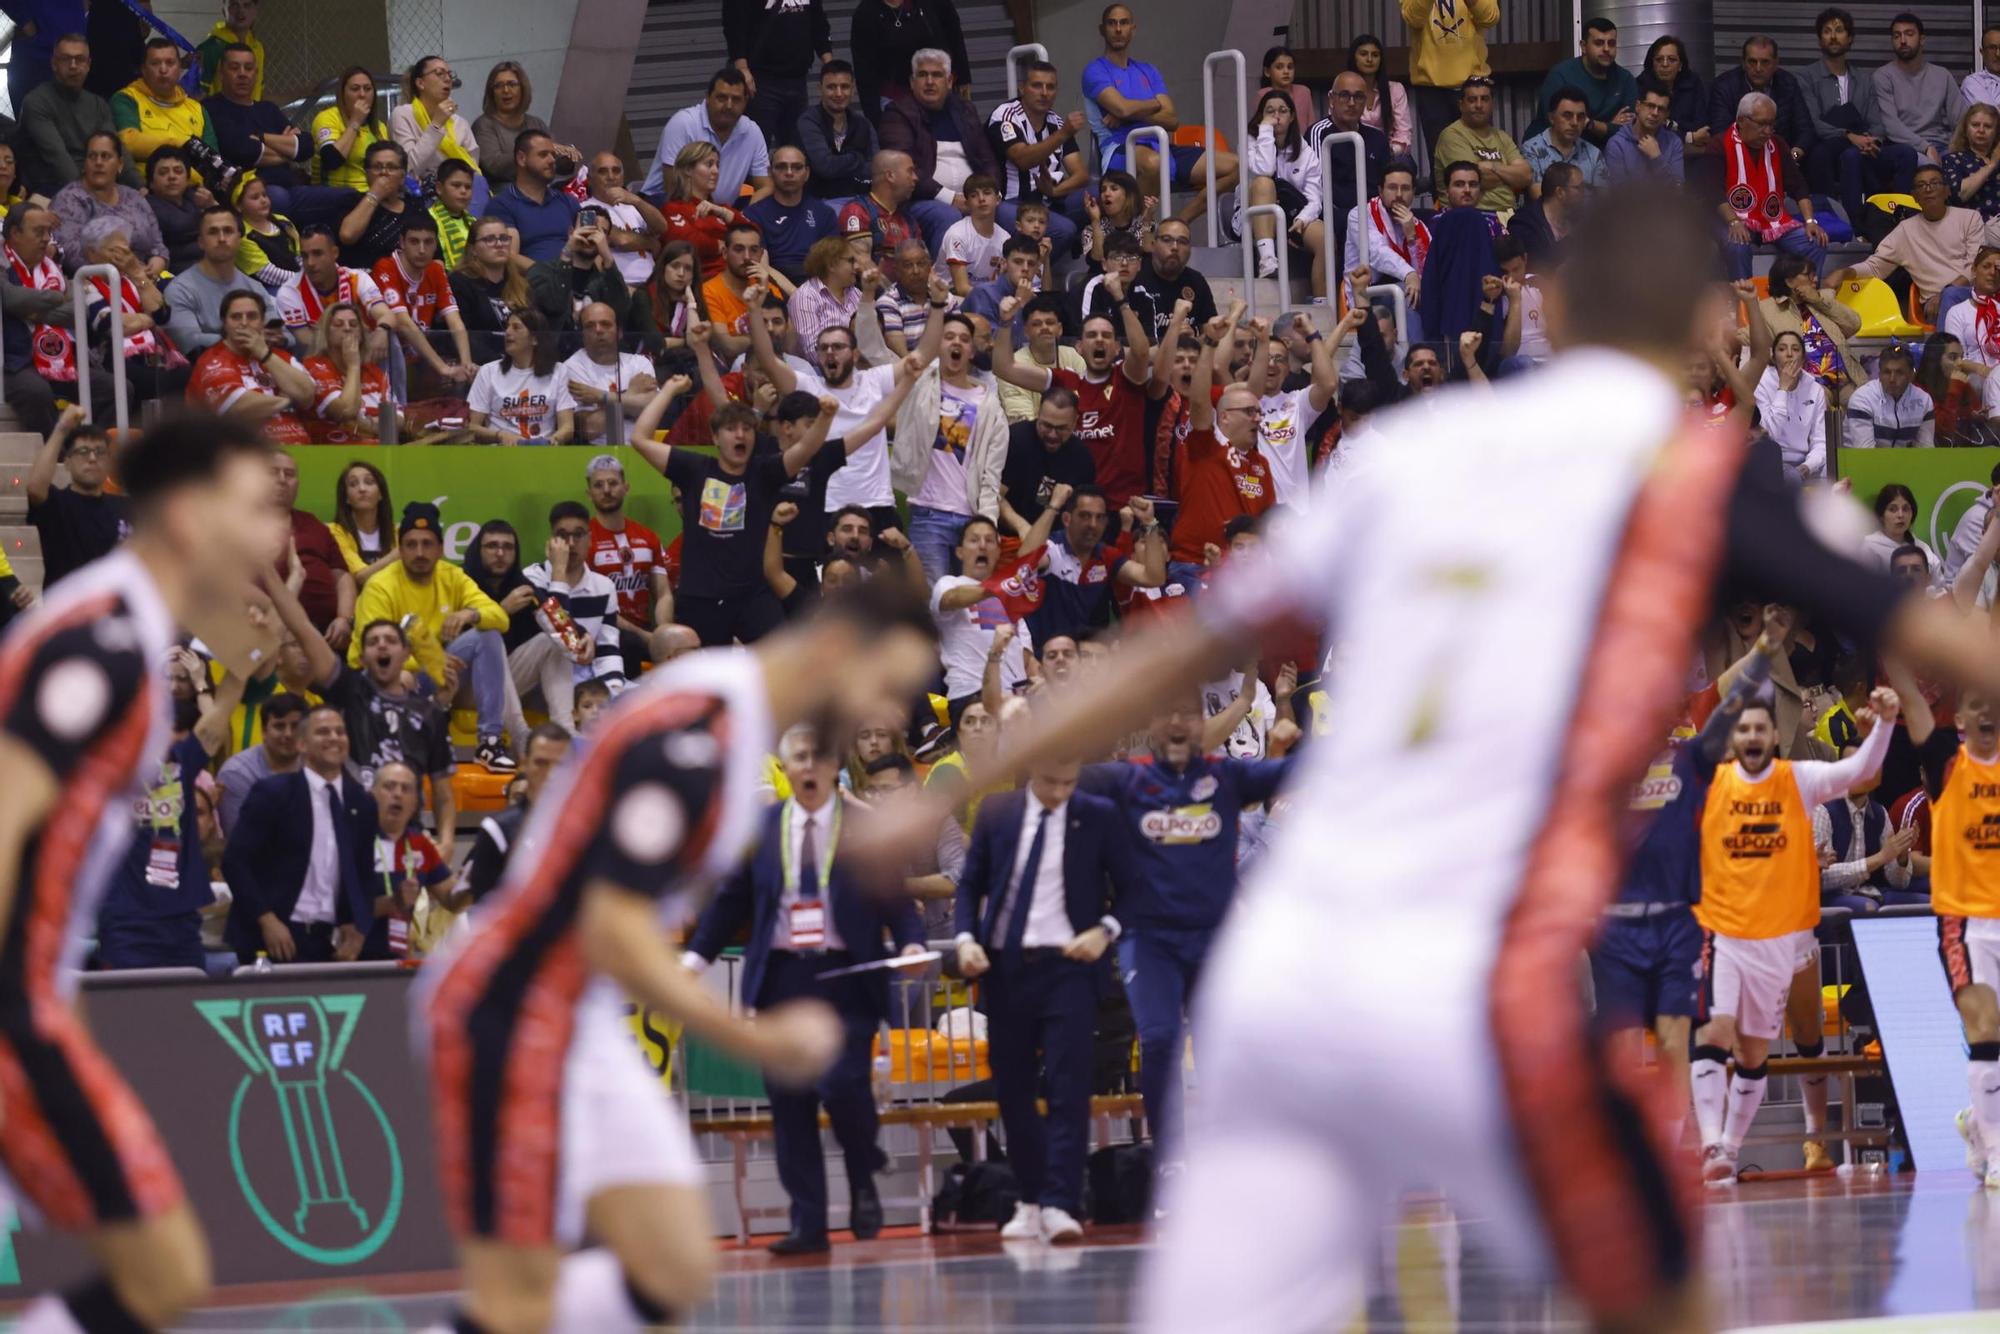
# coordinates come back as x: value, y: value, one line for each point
x: 1846, y: 1069
x: 741, y: 1130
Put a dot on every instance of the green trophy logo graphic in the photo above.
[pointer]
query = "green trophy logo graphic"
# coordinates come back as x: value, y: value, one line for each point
x: 314, y: 1153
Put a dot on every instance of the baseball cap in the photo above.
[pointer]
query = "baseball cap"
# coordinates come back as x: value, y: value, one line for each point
x: 604, y: 463
x: 420, y: 516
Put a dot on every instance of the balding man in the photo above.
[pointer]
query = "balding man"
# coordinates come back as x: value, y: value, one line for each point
x: 600, y: 374
x: 1759, y: 170
x: 877, y: 223
x: 1759, y: 73
x: 792, y: 220
x: 1345, y: 102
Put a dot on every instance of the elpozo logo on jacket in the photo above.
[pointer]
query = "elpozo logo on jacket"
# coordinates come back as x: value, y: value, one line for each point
x: 1183, y: 824
x: 314, y: 1153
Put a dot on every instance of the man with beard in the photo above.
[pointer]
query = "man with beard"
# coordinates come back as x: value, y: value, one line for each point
x: 1080, y: 571
x: 950, y: 446
x: 1166, y: 277
x: 630, y: 554
x: 1041, y: 453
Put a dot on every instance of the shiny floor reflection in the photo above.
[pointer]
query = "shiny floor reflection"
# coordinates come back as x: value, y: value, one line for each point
x: 1782, y: 1253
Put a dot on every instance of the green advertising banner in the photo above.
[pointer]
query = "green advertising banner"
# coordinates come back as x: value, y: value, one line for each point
x: 1945, y: 482
x: 471, y: 484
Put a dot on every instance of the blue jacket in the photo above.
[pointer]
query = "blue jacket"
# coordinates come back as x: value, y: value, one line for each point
x: 1176, y: 861
x: 270, y: 848
x: 751, y: 898
x: 1090, y: 840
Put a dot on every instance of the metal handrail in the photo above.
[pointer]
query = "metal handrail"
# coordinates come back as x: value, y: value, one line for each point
x: 1399, y: 303
x: 1326, y: 147
x: 1166, y: 152
x: 79, y: 299
x: 1211, y: 146
x: 1014, y: 53
x: 1275, y: 212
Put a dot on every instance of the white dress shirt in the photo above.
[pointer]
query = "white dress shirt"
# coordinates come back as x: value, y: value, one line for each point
x: 821, y: 822
x: 322, y: 882
x: 1048, y: 924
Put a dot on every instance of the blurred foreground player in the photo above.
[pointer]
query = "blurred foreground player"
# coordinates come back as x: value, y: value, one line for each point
x: 1477, y: 1070
x: 549, y: 1121
x: 84, y: 718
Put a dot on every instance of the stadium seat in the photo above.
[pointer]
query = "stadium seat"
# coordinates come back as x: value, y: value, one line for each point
x: 1889, y: 202
x: 1875, y: 303
x: 1196, y: 136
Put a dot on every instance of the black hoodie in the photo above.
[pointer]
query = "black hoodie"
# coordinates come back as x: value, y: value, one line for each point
x: 522, y: 626
x: 777, y: 37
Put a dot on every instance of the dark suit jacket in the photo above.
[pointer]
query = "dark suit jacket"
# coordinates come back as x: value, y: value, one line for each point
x: 905, y: 128
x: 752, y: 896
x: 1795, y: 125
x: 270, y: 846
x: 1530, y: 226
x: 1090, y: 837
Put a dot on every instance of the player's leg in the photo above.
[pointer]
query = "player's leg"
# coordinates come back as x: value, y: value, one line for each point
x: 1746, y: 1091
x: 661, y: 1259
x: 1671, y: 1034
x: 1972, y: 970
x: 508, y: 1289
x: 1154, y: 985
x: 1708, y: 1066
x: 1676, y: 1000
x: 1805, y: 1021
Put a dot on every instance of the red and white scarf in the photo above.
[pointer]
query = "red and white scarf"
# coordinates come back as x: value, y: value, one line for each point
x: 54, y: 346
x: 1413, y: 250
x: 343, y: 290
x: 1986, y: 324
x: 142, y: 344
x: 1756, y: 189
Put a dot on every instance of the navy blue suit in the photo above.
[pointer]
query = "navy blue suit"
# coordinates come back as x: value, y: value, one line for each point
x: 270, y: 849
x: 752, y: 898
x: 1036, y: 999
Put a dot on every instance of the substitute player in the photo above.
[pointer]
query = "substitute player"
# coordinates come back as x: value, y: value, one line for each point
x: 84, y: 718
x: 549, y: 1120
x: 1759, y: 909
x: 1391, y: 1003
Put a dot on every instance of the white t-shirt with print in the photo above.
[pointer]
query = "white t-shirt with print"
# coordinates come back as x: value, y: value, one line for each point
x: 1252, y: 735
x: 1281, y: 439
x: 979, y: 254
x: 629, y: 367
x: 944, y: 485
x: 520, y: 400
x: 965, y: 638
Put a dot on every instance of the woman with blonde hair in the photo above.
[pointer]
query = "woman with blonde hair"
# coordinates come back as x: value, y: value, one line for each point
x: 1971, y: 158
x: 487, y: 287
x: 831, y: 293
x: 691, y: 210
x: 348, y: 391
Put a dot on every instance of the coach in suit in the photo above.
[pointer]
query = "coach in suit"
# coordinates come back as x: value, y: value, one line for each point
x: 1033, y: 920
x: 298, y: 858
x: 806, y: 916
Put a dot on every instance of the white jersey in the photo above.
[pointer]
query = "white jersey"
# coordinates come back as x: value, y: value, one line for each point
x: 864, y: 479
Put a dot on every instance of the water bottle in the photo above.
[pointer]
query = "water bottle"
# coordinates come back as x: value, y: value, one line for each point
x: 263, y: 964
x: 880, y: 1082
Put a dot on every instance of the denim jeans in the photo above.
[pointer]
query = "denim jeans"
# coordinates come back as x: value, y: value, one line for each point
x: 933, y: 533
x: 935, y: 218
x: 484, y: 654
x: 1949, y: 297
x: 1738, y: 257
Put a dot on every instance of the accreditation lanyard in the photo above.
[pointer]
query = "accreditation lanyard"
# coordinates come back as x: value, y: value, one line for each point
x: 806, y: 918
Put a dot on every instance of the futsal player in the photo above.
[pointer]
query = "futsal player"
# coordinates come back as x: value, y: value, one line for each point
x: 550, y: 1123
x: 1391, y: 1003
x: 84, y: 717
x: 1759, y: 909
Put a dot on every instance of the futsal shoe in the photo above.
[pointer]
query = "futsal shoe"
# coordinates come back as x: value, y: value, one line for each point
x: 1058, y: 1226
x: 1817, y: 1158
x: 1975, y: 1147
x: 1025, y: 1225
x: 1718, y: 1166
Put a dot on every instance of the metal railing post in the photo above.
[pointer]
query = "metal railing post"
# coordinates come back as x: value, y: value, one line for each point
x: 1399, y: 303
x: 1014, y: 53
x: 1326, y: 147
x: 79, y: 300
x: 1166, y: 152
x: 1234, y: 59
x: 1276, y: 213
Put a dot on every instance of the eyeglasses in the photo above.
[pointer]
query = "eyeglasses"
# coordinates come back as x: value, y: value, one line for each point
x: 788, y: 166
x: 1360, y: 95
x: 88, y: 452
x: 501, y: 239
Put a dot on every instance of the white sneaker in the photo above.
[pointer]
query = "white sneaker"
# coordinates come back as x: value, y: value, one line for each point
x: 1993, y: 1176
x: 1267, y: 265
x: 1058, y: 1226
x: 1025, y: 1225
x: 1718, y: 1166
x: 1975, y: 1146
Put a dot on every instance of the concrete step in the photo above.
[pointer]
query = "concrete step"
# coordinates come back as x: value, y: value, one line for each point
x: 23, y: 546
x: 17, y: 446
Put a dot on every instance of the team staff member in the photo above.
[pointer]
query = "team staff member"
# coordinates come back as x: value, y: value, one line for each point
x: 1759, y: 907
x: 1179, y: 811
x: 806, y: 915
x: 1033, y: 919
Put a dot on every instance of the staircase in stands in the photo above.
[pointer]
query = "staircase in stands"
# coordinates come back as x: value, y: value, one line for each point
x: 22, y: 544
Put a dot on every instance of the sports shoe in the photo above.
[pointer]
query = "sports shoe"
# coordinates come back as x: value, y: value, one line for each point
x: 1058, y: 1226
x: 1025, y: 1225
x: 1718, y: 1166
x: 1267, y: 265
x: 494, y: 756
x: 1975, y: 1146
x: 1817, y: 1158
x: 1993, y: 1176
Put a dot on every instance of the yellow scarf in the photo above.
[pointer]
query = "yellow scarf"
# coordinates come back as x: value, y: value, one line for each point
x: 450, y: 144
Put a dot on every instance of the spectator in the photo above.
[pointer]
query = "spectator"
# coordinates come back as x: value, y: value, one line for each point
x: 1280, y: 74
x: 322, y: 280
x: 276, y: 753
x: 373, y: 227
x: 1863, y: 862
x: 1791, y: 407
x: 1975, y: 322
x: 1447, y: 48
x: 242, y: 375
x: 830, y: 295
x: 493, y: 563
x: 719, y: 120
x: 520, y: 399
x: 238, y: 27
x: 40, y: 349
x: 1128, y: 94
x: 1920, y: 101
x: 1668, y: 69
x: 774, y: 47
x: 1759, y: 73
x: 194, y: 298
x: 1760, y: 170
x: 970, y: 251
x: 38, y: 32
x: 344, y: 132
x: 586, y: 648
x: 725, y: 295
x: 1039, y: 156
x: 1543, y: 223
x: 636, y: 228
x: 486, y: 285
x: 1852, y: 156
x: 1023, y: 259
x: 1286, y: 415
x: 268, y: 250
x: 141, y: 307
x: 98, y: 193
x: 348, y: 390
x: 1895, y: 511
x: 58, y: 118
x: 503, y: 118
x: 676, y: 304
x: 1042, y: 452
x: 1116, y: 208
x: 949, y: 447
x: 886, y: 34
x: 1343, y: 114
x: 1890, y: 411
x: 1561, y: 140
x: 945, y: 141
x: 1983, y: 84
x: 299, y: 863
x: 314, y: 566
x: 454, y: 627
x: 1460, y: 256
x: 82, y: 521
x: 586, y: 271
x: 792, y: 223
x: 1386, y: 103
x: 837, y: 137
x: 1167, y: 274
x: 904, y: 309
x: 1398, y: 241
x: 1279, y: 169
x: 1961, y: 397
x: 968, y: 614
x: 154, y: 111
x: 254, y: 136
x: 691, y: 211
x: 427, y: 126
x: 1648, y: 148
x: 630, y: 555
x: 1608, y: 91
x: 411, y: 918
x: 1936, y: 247
x: 1080, y: 572
x: 176, y: 207
x: 538, y: 213
x: 1474, y: 138
x: 1122, y: 261
x: 1969, y: 166
x: 363, y: 526
x: 877, y: 224
x: 452, y: 211
x: 413, y: 281
x: 1797, y: 304
x: 602, y: 378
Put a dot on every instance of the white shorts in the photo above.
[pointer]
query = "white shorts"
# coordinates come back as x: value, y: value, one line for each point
x: 1970, y: 949
x: 1751, y: 979
x: 620, y: 1126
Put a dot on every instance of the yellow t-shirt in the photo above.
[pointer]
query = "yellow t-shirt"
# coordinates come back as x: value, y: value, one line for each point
x: 392, y: 594
x: 327, y: 127
x: 1759, y: 872
x: 350, y: 550
x: 954, y: 763
x: 1447, y: 44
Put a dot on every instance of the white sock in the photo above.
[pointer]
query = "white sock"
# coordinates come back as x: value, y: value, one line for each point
x: 1814, y: 1089
x: 1745, y: 1097
x: 590, y: 1295
x: 1267, y: 250
x: 1983, y: 1078
x: 1709, y: 1081
x: 47, y: 1315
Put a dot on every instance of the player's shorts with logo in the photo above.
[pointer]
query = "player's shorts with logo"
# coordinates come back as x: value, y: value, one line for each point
x: 1647, y: 967
x: 1969, y: 948
x: 1750, y: 979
